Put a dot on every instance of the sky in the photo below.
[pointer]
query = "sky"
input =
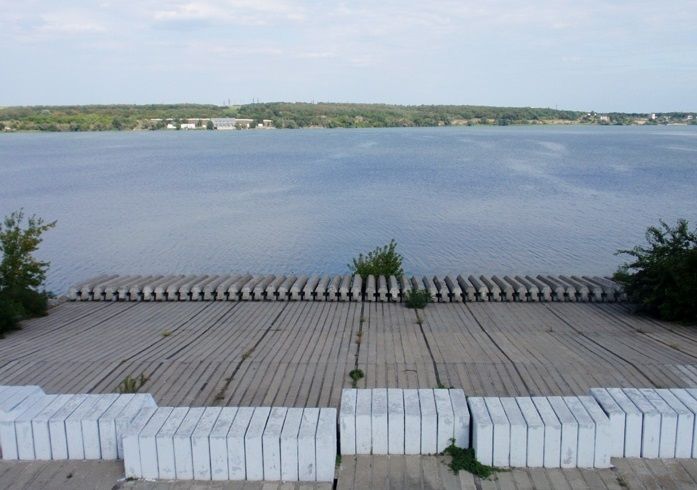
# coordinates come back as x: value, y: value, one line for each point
x: 603, y: 55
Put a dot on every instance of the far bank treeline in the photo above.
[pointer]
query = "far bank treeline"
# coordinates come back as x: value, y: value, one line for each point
x: 296, y: 115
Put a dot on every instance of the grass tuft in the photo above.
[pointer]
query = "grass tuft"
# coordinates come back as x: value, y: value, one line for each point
x: 465, y: 460
x: 356, y: 375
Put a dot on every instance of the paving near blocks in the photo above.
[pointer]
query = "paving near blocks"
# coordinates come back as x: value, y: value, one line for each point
x: 299, y: 354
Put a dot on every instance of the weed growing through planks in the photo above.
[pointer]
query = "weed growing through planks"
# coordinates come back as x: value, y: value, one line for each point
x: 417, y: 298
x: 356, y: 375
x: 465, y: 459
x: 166, y: 333
x: 338, y: 460
x: 132, y: 385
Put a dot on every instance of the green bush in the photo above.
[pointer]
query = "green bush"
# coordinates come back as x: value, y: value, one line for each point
x: 465, y: 460
x: 21, y: 275
x: 417, y: 298
x: 383, y: 261
x: 662, y: 277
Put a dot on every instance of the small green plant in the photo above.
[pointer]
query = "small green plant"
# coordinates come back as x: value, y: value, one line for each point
x: 417, y: 298
x: 383, y: 261
x: 465, y: 459
x: 166, y: 333
x: 338, y: 460
x: 356, y: 375
x: 132, y: 385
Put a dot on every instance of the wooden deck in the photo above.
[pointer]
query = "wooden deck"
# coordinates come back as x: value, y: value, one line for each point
x: 374, y: 472
x: 301, y: 353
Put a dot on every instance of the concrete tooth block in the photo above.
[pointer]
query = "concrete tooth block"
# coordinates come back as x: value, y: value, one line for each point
x: 518, y: 434
x: 183, y: 454
x: 164, y: 442
x: 461, y: 430
x: 57, y: 429
x: 569, y: 432
x: 235, y: 443
x: 603, y: 432
x: 585, y: 449
x: 535, y: 433
x: 147, y: 440
x: 691, y: 404
x: 347, y: 421
x: 325, y: 445
x: 217, y: 442
x: 40, y: 429
x: 289, y: 444
x: 429, y: 422
x: 271, y: 443
x: 23, y: 428
x: 200, y: 444
x: 307, y: 465
x: 131, y: 444
x: 669, y: 423
x: 502, y: 431
x: 253, y: 444
x: 73, y: 427
x: 651, y: 423
x: 482, y: 430
x: 633, y: 425
x: 378, y: 423
x: 446, y: 419
x: 122, y: 421
x: 90, y: 425
x: 412, y: 422
x: 106, y: 426
x: 616, y: 417
x: 552, y: 446
x: 364, y: 432
x: 395, y: 421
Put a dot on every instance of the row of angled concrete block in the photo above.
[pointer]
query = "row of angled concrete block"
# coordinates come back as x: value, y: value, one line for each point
x: 210, y: 443
x: 230, y: 443
x: 36, y: 426
x: 247, y: 287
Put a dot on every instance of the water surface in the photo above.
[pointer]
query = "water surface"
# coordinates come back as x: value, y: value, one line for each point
x: 494, y: 200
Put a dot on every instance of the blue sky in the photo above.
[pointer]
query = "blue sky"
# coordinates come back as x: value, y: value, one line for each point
x: 599, y: 55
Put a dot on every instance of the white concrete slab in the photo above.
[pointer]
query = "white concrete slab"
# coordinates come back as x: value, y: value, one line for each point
x: 325, y: 445
x: 412, y: 422
x: 271, y: 443
x: 395, y: 421
x: 123, y: 419
x: 235, y: 443
x: 669, y: 423
x: 106, y: 426
x: 691, y: 404
x: 56, y: 426
x: 253, y: 444
x: 131, y: 445
x: 217, y: 440
x: 364, y: 433
x: 23, y: 428
x: 183, y: 454
x: 164, y: 441
x: 73, y: 427
x: 518, y: 434
x: 289, y: 444
x: 429, y: 422
x: 8, y: 440
x: 378, y: 423
x: 307, y: 469
x: 40, y: 429
x: 482, y: 430
x: 552, y: 448
x: 446, y: 419
x: 535, y: 433
x: 651, y: 420
x: 200, y: 447
x: 585, y: 450
x: 90, y: 425
x: 347, y: 421
x: 569, y: 432
x: 633, y: 425
x: 603, y: 432
x: 461, y: 429
x: 616, y: 418
x: 502, y: 431
x: 14, y: 395
x: 148, y: 443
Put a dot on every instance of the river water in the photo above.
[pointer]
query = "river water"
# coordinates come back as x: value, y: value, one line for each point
x: 492, y: 200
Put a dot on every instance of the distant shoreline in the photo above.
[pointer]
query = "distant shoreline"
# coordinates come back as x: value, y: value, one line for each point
x: 282, y: 115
